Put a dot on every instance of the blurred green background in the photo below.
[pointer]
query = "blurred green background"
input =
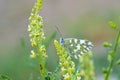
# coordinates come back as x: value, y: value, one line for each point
x: 76, y: 18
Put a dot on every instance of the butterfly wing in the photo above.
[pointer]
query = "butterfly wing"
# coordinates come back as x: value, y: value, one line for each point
x: 77, y: 47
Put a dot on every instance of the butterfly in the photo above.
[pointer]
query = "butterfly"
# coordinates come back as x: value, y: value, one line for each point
x: 75, y: 47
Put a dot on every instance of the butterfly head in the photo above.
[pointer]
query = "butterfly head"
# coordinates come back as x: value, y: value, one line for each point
x: 62, y: 41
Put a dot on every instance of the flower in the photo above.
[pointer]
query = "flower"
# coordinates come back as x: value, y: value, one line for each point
x: 37, y: 36
x: 33, y: 54
x: 66, y: 64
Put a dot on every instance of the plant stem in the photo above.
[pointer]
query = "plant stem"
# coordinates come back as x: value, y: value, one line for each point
x: 112, y: 62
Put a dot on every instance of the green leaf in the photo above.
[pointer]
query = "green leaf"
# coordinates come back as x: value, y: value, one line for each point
x: 48, y: 41
x: 4, y: 77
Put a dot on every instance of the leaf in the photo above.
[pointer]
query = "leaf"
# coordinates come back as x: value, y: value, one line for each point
x: 4, y: 77
x: 48, y: 41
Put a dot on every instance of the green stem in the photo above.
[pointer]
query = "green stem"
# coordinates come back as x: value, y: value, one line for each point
x: 112, y: 62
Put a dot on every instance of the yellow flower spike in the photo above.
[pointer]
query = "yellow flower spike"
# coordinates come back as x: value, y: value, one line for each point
x: 37, y: 37
x: 87, y: 72
x: 66, y: 64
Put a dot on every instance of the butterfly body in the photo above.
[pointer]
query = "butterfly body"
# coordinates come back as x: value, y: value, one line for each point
x: 76, y: 47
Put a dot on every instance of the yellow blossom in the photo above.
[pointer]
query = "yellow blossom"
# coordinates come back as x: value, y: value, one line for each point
x: 66, y: 64
x: 37, y: 37
x: 33, y: 54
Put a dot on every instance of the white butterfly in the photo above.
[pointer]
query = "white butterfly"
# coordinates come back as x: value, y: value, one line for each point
x: 76, y: 47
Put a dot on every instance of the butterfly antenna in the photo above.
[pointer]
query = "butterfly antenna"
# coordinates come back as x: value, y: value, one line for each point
x: 58, y: 30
